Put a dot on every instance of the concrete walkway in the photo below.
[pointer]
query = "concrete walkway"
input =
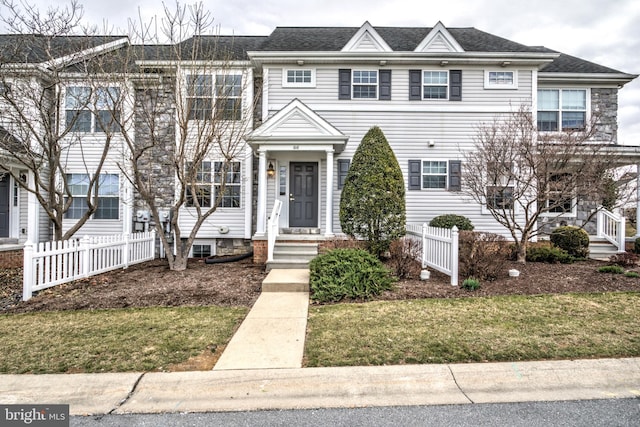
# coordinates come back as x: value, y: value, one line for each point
x: 273, y: 333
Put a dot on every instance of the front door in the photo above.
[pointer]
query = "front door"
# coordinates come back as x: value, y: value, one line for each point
x: 4, y: 205
x: 303, y: 196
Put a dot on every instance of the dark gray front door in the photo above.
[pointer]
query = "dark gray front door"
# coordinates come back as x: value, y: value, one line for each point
x: 303, y: 198
x: 4, y: 206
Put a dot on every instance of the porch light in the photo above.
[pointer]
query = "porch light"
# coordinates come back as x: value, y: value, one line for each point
x: 271, y: 172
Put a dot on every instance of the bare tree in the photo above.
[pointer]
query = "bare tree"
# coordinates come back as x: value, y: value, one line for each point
x: 44, y: 119
x: 522, y: 175
x: 193, y: 106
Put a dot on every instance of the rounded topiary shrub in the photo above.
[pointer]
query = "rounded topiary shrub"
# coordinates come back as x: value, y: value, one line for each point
x: 572, y: 239
x: 448, y: 221
x: 347, y: 273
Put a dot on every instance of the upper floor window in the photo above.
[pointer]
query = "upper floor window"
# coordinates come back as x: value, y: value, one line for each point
x: 299, y: 77
x: 562, y: 109
x: 227, y: 93
x: 207, y: 187
x: 92, y: 111
x: 435, y: 84
x: 434, y: 174
x: 108, y: 192
x: 500, y: 80
x: 365, y: 84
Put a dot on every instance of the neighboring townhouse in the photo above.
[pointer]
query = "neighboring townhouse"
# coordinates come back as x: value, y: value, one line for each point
x: 318, y: 90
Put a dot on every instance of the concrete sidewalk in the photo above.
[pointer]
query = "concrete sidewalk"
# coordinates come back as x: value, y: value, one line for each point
x: 205, y: 391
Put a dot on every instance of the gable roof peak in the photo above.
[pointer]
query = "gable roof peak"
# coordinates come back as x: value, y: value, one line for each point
x: 439, y: 39
x: 366, y: 39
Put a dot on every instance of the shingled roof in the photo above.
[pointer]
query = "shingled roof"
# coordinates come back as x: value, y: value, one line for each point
x: 406, y: 39
x: 34, y: 48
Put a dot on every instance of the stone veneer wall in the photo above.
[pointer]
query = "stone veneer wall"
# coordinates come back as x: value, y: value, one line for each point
x: 604, y: 106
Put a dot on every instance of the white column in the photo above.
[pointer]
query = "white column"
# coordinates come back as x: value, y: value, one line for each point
x: 329, y: 202
x: 638, y: 200
x: 33, y: 212
x: 261, y: 213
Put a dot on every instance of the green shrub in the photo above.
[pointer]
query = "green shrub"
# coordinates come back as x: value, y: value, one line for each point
x: 347, y: 273
x: 614, y: 269
x: 471, y: 284
x: 448, y: 221
x: 636, y: 245
x: 572, y: 239
x: 372, y: 202
x: 550, y: 254
x: 632, y: 274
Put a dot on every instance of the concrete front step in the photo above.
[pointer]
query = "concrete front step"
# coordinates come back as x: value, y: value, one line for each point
x: 601, y: 249
x: 292, y: 255
x: 286, y: 280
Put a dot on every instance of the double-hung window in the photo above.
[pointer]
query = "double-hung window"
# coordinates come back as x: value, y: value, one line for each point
x: 199, y: 97
x: 499, y: 191
x: 229, y: 96
x: 227, y: 174
x: 365, y: 84
x: 107, y: 190
x: 199, y: 190
x: 562, y: 109
x: 214, y: 182
x: 434, y: 174
x: 560, y: 194
x: 97, y: 111
x: 435, y: 84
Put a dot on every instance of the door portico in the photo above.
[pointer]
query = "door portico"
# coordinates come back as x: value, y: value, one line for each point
x: 289, y: 144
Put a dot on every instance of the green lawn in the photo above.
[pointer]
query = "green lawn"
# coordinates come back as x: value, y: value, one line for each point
x: 474, y: 330
x: 112, y: 340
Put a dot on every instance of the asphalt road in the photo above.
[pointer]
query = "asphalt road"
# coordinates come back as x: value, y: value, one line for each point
x: 592, y: 413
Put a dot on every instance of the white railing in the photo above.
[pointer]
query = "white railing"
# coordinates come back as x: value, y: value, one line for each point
x: 612, y: 228
x: 273, y: 228
x: 439, y: 248
x: 53, y: 263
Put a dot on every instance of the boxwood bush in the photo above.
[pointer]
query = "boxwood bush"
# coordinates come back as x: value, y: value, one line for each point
x: 550, y: 254
x: 449, y: 220
x: 572, y: 239
x: 347, y: 273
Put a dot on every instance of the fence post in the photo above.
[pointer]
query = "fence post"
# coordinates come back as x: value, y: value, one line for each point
x: 152, y: 245
x: 424, y: 245
x: 27, y: 271
x: 84, y: 248
x: 454, y: 256
x: 125, y: 250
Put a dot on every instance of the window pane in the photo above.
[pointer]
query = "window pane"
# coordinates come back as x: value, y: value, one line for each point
x: 229, y: 86
x: 365, y: 77
x: 77, y: 98
x: 573, y: 120
x: 547, y: 121
x: 107, y: 98
x: 548, y: 100
x: 500, y: 197
x: 434, y: 174
x: 434, y: 181
x: 298, y: 76
x: 574, y: 100
x: 108, y: 185
x: 106, y: 119
x: 231, y: 196
x: 199, y: 85
x: 370, y: 92
x: 78, y: 120
x: 501, y: 77
x: 229, y: 108
x: 201, y: 251
x: 108, y: 208
x: 435, y: 78
x: 435, y: 92
x: 203, y: 196
x: 77, y: 209
x: 78, y: 184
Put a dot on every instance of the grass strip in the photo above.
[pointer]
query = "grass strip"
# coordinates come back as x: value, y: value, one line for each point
x: 119, y: 340
x: 461, y: 330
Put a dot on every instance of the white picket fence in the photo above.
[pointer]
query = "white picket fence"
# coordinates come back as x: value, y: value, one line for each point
x: 53, y: 263
x: 439, y: 248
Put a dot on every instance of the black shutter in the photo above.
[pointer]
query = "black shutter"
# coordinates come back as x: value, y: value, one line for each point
x: 343, y: 169
x: 415, y: 85
x: 455, y: 175
x: 415, y: 174
x: 385, y: 85
x: 455, y: 85
x: 344, y: 81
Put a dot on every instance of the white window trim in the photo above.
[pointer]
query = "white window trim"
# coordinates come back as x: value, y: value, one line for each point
x: 286, y: 83
x: 571, y: 214
x: 489, y: 85
x: 446, y: 174
x: 213, y: 73
x: 377, y: 84
x: 423, y: 84
x: 204, y: 242
x: 560, y: 89
x: 96, y: 193
x: 212, y: 185
x: 91, y: 107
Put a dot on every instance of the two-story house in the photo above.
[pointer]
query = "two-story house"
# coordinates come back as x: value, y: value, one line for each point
x: 318, y: 90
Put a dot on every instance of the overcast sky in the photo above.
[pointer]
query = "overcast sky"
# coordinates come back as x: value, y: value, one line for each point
x: 603, y: 31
